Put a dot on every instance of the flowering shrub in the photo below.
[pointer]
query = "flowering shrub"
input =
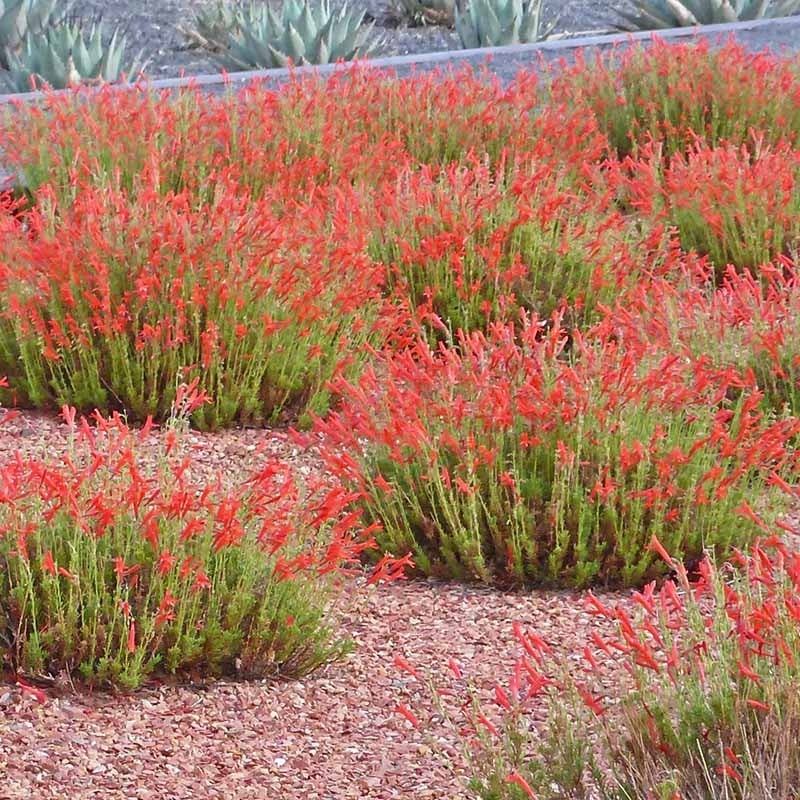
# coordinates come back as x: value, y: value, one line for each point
x: 746, y: 324
x: 115, y: 570
x: 705, y: 702
x: 500, y: 459
x: 674, y: 93
x: 738, y: 205
x: 470, y: 245
x: 357, y: 126
x: 106, y: 301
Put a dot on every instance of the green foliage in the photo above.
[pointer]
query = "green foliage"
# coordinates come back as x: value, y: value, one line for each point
x: 128, y: 579
x: 474, y: 247
x: 673, y: 94
x: 300, y: 34
x: 18, y: 18
x: 213, y: 26
x: 494, y: 23
x: 704, y: 703
x: 505, y: 459
x: 657, y: 14
x: 62, y: 57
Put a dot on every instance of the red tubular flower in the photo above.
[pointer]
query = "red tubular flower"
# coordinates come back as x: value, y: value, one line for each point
x: 517, y: 779
x: 48, y: 565
x: 406, y: 666
x: 408, y: 714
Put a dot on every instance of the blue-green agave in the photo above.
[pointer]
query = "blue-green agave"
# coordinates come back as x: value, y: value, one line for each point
x: 62, y: 57
x: 656, y: 14
x: 213, y: 25
x: 20, y: 17
x: 494, y: 23
x: 299, y: 34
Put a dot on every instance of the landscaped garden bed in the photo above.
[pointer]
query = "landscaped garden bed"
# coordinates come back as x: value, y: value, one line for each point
x: 508, y: 343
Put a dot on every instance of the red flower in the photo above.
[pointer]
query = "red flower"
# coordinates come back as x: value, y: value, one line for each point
x: 48, y: 565
x: 517, y: 779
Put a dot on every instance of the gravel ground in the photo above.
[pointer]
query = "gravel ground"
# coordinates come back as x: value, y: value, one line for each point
x: 151, y: 29
x: 333, y: 736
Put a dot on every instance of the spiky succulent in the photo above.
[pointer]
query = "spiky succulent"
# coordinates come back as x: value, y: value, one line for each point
x: 494, y: 23
x: 62, y: 57
x: 213, y: 25
x: 426, y: 12
x: 20, y: 17
x: 300, y: 34
x: 655, y: 14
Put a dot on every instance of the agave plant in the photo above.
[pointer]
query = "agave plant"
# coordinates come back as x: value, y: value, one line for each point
x: 20, y: 17
x: 426, y: 12
x: 493, y: 23
x: 653, y: 14
x: 213, y: 26
x: 61, y: 57
x: 302, y: 34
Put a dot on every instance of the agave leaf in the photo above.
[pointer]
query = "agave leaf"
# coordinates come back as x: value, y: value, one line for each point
x: 80, y: 54
x: 331, y: 32
x: 13, y: 24
x: 466, y: 31
x: 528, y: 29
x: 321, y: 13
x: 261, y: 50
x: 251, y: 52
x: 675, y: 13
x: 292, y: 44
x: 321, y: 53
x: 109, y: 67
x: 40, y: 12
x: 279, y: 59
x: 54, y: 70
x: 647, y: 19
x: 724, y: 12
x: 682, y: 14
x: 755, y: 10
x: 347, y: 42
x: 491, y: 26
x: 274, y: 24
x: 306, y: 26
x: 705, y: 12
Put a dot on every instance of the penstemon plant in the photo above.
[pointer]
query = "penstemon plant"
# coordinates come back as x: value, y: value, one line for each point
x: 748, y: 323
x: 506, y: 459
x: 705, y: 705
x: 674, y: 94
x: 110, y: 298
x: 116, y: 571
x: 472, y: 245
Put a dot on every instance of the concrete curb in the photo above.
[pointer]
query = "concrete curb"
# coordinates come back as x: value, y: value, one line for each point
x: 777, y: 35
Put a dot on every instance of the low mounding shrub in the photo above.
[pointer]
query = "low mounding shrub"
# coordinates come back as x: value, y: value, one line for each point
x: 705, y: 705
x: 737, y: 205
x: 748, y: 324
x: 105, y: 301
x: 674, y: 93
x: 470, y: 245
x: 504, y: 458
x: 115, y: 569
x: 357, y: 126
